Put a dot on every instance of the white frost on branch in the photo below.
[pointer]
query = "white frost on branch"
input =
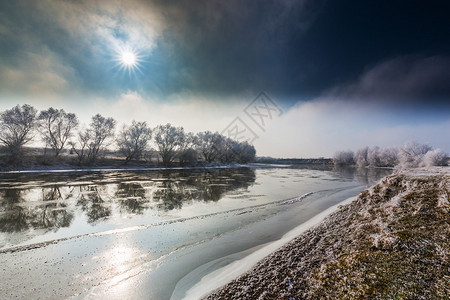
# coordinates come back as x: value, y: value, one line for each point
x: 411, y: 155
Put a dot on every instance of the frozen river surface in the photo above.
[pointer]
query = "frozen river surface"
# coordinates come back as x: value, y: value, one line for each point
x: 150, y: 235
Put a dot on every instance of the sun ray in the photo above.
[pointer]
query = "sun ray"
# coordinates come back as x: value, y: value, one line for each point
x: 128, y: 60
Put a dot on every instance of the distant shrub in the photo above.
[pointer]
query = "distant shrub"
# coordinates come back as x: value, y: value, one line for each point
x: 412, y: 154
x: 435, y: 158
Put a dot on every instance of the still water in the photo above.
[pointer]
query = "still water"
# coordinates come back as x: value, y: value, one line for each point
x: 152, y: 234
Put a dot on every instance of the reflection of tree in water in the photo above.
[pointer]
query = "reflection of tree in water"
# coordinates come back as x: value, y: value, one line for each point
x: 51, y: 194
x: 16, y: 217
x: 177, y: 188
x: 12, y: 217
x: 362, y: 175
x: 171, y: 194
x: 131, y: 197
x: 371, y: 175
x: 91, y: 202
x: 48, y: 208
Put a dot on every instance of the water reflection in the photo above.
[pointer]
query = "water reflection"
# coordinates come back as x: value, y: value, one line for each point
x: 367, y: 176
x: 206, y: 186
x: 17, y: 215
x: 99, y: 198
x: 51, y: 194
x: 90, y: 200
x: 132, y: 198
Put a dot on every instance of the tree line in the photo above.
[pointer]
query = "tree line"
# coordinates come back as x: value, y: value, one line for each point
x: 411, y: 155
x: 59, y: 130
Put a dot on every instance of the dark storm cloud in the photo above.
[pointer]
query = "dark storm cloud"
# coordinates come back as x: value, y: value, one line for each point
x: 348, y: 37
x: 409, y: 79
x: 298, y: 49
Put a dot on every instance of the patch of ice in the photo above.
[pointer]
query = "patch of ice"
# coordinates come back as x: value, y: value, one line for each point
x: 300, y: 198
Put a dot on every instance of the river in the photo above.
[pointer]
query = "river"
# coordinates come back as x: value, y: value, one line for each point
x: 151, y: 234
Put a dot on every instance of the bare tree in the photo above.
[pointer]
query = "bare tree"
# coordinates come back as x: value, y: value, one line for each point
x: 187, y: 153
x: 100, y: 131
x: 57, y: 127
x: 168, y: 140
x: 210, y: 145
x: 17, y: 126
x: 81, y: 146
x: 133, y: 140
x: 92, y: 140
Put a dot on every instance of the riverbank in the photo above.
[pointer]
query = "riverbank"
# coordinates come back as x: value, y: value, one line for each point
x: 390, y: 243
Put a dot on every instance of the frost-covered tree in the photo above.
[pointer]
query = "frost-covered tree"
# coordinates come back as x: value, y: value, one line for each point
x: 229, y: 151
x: 133, y: 140
x: 343, y: 158
x: 411, y: 155
x: 245, y: 152
x: 373, y: 157
x: 234, y: 151
x: 56, y: 127
x: 376, y: 157
x: 361, y: 157
x: 435, y: 158
x: 17, y: 127
x: 389, y: 157
x: 168, y: 140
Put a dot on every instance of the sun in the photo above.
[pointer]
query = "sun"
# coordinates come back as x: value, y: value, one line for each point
x: 128, y: 58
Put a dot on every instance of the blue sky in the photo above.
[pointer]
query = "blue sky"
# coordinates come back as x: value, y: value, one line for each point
x: 345, y: 73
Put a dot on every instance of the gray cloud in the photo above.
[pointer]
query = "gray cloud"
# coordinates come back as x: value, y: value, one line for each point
x: 48, y: 78
x: 406, y: 79
x: 80, y: 36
